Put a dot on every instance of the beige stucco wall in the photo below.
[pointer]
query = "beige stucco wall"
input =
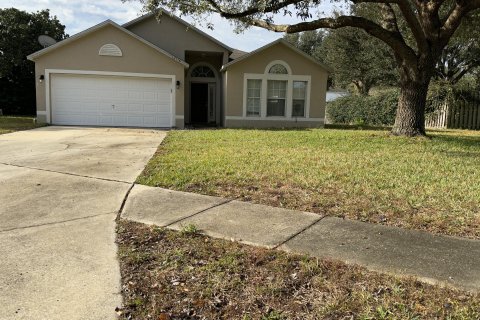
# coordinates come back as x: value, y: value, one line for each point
x: 259, y: 124
x: 256, y: 64
x: 82, y: 54
x: 174, y: 37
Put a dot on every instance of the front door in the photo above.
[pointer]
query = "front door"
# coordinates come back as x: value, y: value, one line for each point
x: 199, y: 103
x: 203, y: 103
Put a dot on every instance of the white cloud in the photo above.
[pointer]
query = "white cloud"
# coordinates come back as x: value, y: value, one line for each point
x: 81, y: 14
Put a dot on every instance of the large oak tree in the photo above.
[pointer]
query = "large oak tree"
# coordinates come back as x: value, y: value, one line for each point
x: 431, y: 24
x: 19, y: 31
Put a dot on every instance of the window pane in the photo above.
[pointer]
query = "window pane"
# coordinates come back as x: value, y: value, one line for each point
x: 298, y: 108
x: 299, y: 96
x: 253, y: 97
x: 277, y: 89
x: 276, y: 107
x: 299, y: 89
x: 278, y: 69
x: 276, y: 94
x: 203, y: 72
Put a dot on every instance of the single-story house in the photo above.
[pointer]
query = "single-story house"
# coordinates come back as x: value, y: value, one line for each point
x: 166, y: 73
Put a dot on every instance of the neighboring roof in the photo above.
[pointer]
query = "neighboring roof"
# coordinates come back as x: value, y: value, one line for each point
x: 88, y: 31
x: 237, y: 54
x: 171, y: 15
x: 284, y: 42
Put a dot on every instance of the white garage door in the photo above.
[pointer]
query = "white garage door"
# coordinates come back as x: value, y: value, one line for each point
x: 111, y: 101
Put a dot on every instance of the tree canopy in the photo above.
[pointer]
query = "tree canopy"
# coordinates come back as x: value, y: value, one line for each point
x: 19, y: 31
x: 462, y: 55
x: 308, y: 41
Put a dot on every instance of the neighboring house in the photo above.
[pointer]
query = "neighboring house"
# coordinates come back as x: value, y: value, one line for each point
x: 167, y: 73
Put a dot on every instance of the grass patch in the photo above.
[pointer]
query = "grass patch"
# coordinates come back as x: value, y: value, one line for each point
x: 196, y: 277
x: 11, y: 124
x: 368, y: 175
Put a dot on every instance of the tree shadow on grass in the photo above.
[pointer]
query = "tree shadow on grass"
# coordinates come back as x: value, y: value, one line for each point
x: 460, y: 146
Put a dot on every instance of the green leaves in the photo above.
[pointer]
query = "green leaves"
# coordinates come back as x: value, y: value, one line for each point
x: 19, y: 31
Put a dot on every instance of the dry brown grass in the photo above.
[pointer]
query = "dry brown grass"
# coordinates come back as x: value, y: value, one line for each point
x: 172, y: 275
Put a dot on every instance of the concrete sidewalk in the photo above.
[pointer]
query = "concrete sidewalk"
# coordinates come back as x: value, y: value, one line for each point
x: 435, y: 259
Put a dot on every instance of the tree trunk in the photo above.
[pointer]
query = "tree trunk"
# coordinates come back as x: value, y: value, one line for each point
x: 410, y: 118
x: 362, y: 89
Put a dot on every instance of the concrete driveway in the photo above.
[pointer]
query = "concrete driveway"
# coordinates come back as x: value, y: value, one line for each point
x: 60, y: 191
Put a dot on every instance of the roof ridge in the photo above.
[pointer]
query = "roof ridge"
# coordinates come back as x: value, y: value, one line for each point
x: 175, y: 17
x: 286, y: 43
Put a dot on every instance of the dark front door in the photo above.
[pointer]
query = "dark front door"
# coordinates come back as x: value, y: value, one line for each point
x: 199, y: 103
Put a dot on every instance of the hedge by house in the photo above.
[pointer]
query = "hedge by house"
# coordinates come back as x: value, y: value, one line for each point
x: 378, y: 109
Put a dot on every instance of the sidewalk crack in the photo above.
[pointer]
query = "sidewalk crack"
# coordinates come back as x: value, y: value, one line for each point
x: 66, y: 173
x: 199, y: 212
x: 56, y: 222
x: 299, y: 232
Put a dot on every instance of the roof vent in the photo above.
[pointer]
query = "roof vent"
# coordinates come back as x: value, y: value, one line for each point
x: 110, y: 50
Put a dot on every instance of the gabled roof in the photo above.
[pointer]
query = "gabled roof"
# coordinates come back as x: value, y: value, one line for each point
x: 284, y: 42
x: 185, y: 23
x: 237, y: 54
x: 88, y: 31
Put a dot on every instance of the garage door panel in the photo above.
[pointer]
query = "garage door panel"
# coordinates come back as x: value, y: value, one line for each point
x: 105, y: 120
x: 90, y: 120
x: 111, y: 101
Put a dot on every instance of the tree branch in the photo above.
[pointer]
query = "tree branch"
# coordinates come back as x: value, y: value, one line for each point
x: 454, y: 19
x: 410, y: 17
x: 393, y: 39
x: 390, y: 18
x: 253, y: 10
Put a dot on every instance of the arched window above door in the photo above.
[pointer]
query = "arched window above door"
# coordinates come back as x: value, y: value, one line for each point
x: 202, y: 72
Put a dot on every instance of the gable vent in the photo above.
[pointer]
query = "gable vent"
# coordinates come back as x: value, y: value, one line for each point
x: 110, y: 50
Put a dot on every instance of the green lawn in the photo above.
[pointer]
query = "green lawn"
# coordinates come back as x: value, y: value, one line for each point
x: 11, y: 124
x: 429, y: 184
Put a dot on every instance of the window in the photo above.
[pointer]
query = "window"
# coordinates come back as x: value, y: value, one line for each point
x: 254, y: 89
x: 299, y: 95
x: 276, y: 93
x: 110, y: 49
x: 202, y: 72
x: 278, y: 69
x: 276, y: 98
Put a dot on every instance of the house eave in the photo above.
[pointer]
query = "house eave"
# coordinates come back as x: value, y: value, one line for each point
x: 284, y: 42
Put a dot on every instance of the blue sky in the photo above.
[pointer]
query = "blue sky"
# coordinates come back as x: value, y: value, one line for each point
x: 80, y: 14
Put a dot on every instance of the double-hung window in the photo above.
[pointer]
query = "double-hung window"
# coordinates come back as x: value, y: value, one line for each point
x: 276, y: 98
x: 254, y: 97
x: 298, y: 99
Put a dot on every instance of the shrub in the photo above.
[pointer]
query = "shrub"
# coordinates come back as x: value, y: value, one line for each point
x: 377, y: 110
x: 442, y: 92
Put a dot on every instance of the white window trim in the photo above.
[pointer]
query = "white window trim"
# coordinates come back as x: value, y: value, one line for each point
x: 48, y: 72
x: 263, y: 96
